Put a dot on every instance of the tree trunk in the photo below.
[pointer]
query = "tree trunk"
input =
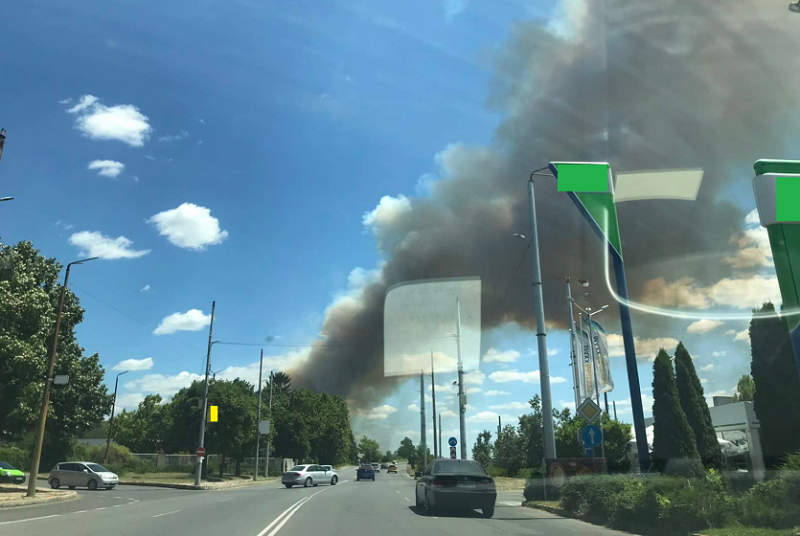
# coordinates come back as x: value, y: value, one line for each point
x: 238, y: 467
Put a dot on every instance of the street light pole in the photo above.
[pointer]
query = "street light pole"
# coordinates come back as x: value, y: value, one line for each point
x: 37, y: 451
x: 271, y: 424
x: 541, y: 332
x: 201, y: 440
x: 258, y: 419
x: 436, y: 452
x: 111, y: 421
x: 422, y: 419
x: 462, y: 407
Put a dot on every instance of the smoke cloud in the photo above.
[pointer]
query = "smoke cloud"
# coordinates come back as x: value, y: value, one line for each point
x: 642, y: 85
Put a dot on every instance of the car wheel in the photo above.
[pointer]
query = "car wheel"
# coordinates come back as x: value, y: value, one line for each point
x: 358, y: 479
x: 334, y: 480
x: 288, y: 485
x: 5, y: 479
x: 92, y: 485
x: 71, y: 487
x: 307, y: 483
x: 55, y: 483
x: 488, y: 512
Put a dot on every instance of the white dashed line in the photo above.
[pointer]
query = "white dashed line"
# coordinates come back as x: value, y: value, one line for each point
x: 167, y: 513
x: 225, y: 500
x: 101, y: 508
x: 119, y: 497
x: 30, y: 519
x: 406, y: 498
x: 117, y: 505
x: 80, y: 512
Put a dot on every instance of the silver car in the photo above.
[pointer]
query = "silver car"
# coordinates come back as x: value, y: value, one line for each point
x: 309, y: 475
x: 83, y: 474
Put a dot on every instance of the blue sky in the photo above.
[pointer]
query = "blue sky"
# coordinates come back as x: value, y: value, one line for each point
x: 228, y: 152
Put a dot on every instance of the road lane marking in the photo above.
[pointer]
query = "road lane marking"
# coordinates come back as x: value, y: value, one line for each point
x: 287, y: 515
x: 167, y: 513
x: 397, y: 491
x: 119, y: 497
x: 101, y: 508
x: 510, y: 503
x: 406, y: 498
x: 80, y: 512
x: 29, y: 519
x: 228, y: 499
x: 117, y: 505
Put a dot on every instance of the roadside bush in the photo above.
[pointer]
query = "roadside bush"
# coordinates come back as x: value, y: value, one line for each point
x: 534, y: 489
x: 526, y: 473
x: 495, y: 471
x: 15, y: 456
x: 772, y: 504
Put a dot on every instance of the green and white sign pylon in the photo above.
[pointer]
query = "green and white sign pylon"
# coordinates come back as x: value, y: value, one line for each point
x: 777, y: 190
x: 591, y: 188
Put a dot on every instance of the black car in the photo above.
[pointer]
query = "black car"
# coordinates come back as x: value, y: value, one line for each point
x: 456, y: 484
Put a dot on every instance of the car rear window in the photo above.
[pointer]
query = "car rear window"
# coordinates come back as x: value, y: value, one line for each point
x: 465, y: 467
x: 4, y: 465
x: 301, y: 467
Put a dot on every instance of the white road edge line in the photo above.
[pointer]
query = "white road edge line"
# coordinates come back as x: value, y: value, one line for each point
x: 287, y: 515
x: 102, y: 508
x: 406, y: 498
x: 29, y: 519
x: 167, y: 513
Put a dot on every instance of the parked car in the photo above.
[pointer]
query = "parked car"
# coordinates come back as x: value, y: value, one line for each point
x: 384, y: 466
x: 83, y: 474
x: 365, y: 471
x: 456, y: 484
x: 309, y: 475
x: 392, y: 468
x: 376, y: 466
x: 10, y: 474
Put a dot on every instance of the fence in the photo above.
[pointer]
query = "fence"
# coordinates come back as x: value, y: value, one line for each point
x: 213, y: 461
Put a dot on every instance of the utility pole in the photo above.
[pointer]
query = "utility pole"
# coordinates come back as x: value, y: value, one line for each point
x: 615, y: 409
x: 440, y: 435
x: 577, y: 362
x: 422, y: 415
x: 111, y: 421
x: 436, y: 453
x: 258, y: 419
x: 541, y: 332
x: 48, y: 385
x: 462, y: 406
x: 271, y: 424
x: 202, y: 439
x: 499, y: 425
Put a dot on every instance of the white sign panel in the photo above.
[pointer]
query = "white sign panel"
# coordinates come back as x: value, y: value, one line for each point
x: 420, y: 317
x: 263, y: 427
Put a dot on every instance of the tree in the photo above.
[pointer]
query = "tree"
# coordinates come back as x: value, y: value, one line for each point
x: 674, y: 444
x: 482, y: 451
x: 417, y: 457
x: 508, y: 451
x: 281, y: 383
x: 777, y: 384
x: 694, y: 406
x: 531, y: 431
x: 615, y: 438
x: 407, y: 449
x: 146, y: 429
x: 29, y: 298
x: 369, y: 449
x: 745, y: 389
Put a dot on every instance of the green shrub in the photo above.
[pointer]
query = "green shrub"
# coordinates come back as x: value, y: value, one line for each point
x: 772, y: 504
x: 527, y: 472
x: 792, y: 462
x: 495, y: 471
x: 16, y: 456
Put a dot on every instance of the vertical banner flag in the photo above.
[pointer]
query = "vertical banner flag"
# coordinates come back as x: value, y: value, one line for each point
x: 601, y: 353
x: 578, y: 363
x: 587, y: 368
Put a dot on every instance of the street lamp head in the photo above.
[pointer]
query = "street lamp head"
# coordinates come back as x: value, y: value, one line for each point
x: 6, y: 199
x: 795, y: 6
x: 518, y: 235
x: 123, y: 372
x: 604, y: 307
x: 583, y: 282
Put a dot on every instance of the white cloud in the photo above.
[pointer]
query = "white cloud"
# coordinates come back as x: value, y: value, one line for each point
x: 647, y: 403
x: 129, y: 401
x: 65, y: 101
x: 553, y: 351
x: 474, y: 390
x: 249, y: 372
x: 707, y: 368
x: 174, y: 137
x: 95, y: 244
x: 489, y: 416
x: 189, y: 226
x: 742, y: 292
x: 495, y: 356
x: 389, y: 209
x: 495, y: 392
x: 121, y: 122
x: 743, y: 336
x: 474, y: 378
x: 730, y: 332
x: 191, y: 320
x: 453, y: 8
x: 646, y: 349
x: 505, y: 376
x: 166, y: 386
x: 135, y: 364
x: 449, y: 413
x: 703, y: 381
x: 567, y: 404
x: 149, y: 157
x: 703, y: 326
x: 413, y: 407
x: 720, y: 354
x: 145, y: 288
x: 379, y: 413
x: 64, y: 225
x: 511, y: 405
x: 107, y: 168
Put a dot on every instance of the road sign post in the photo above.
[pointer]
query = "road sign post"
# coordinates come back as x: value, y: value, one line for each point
x: 201, y: 452
x: 452, y: 453
x: 594, y: 197
x: 776, y: 188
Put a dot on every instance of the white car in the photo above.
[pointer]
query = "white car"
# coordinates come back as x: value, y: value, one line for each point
x: 83, y: 474
x: 309, y: 475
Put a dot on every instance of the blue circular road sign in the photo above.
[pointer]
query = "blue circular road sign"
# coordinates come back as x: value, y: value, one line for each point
x: 452, y: 442
x: 591, y: 436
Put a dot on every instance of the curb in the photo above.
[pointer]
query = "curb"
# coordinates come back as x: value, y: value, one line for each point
x: 201, y: 487
x: 60, y: 496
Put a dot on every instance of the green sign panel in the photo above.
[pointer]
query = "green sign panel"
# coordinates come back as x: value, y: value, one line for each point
x: 583, y: 178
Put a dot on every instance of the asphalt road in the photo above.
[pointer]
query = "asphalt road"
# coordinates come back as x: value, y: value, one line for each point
x: 351, y: 508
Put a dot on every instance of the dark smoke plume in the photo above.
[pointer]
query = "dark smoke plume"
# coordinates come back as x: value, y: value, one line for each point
x: 641, y: 84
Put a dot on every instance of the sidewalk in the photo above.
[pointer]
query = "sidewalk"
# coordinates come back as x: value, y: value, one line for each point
x: 187, y: 483
x: 14, y: 495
